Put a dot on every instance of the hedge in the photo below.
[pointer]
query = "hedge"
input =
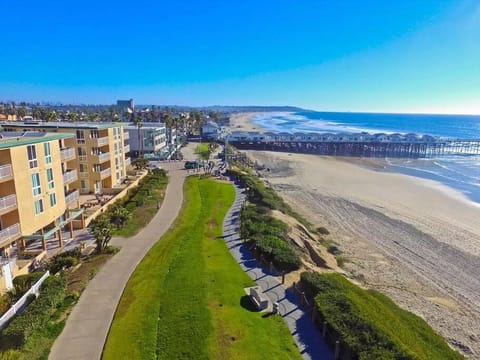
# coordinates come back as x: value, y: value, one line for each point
x: 270, y: 237
x: 371, y: 324
x: 265, y: 196
x: 36, y: 315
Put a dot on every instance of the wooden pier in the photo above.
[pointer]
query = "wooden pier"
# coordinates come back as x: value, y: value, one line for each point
x: 404, y: 149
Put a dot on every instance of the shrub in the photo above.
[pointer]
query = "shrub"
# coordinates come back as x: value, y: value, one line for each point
x: 270, y: 237
x: 23, y: 282
x: 62, y: 261
x: 36, y: 315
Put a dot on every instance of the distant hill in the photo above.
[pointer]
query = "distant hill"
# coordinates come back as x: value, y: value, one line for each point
x: 229, y: 109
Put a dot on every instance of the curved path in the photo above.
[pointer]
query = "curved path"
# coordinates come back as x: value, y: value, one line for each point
x: 302, y: 328
x: 87, y: 326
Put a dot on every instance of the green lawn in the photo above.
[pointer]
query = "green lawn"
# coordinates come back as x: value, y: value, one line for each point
x: 185, y: 300
x: 203, y: 151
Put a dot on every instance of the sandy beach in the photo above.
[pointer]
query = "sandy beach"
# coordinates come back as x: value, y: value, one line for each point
x: 241, y: 122
x: 413, y: 239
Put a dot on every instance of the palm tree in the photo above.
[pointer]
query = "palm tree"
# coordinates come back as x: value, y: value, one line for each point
x: 138, y: 121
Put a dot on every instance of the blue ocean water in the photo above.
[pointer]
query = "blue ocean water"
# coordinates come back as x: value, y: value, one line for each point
x: 461, y: 173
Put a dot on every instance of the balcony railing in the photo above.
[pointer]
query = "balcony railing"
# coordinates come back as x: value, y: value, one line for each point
x: 105, y: 173
x: 71, y: 197
x: 69, y: 176
x: 101, y: 141
x: 8, y: 202
x: 126, y: 148
x: 10, y: 233
x: 126, y: 135
x: 101, y: 158
x: 6, y: 171
x: 67, y: 154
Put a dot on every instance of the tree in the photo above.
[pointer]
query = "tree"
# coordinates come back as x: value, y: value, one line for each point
x: 140, y: 163
x: 102, y: 231
x: 119, y: 216
x: 138, y: 121
x: 22, y: 112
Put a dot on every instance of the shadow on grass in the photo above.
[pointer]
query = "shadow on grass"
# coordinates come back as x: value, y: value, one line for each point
x: 247, y: 304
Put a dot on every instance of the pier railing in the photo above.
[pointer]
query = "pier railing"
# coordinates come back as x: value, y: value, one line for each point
x: 414, y: 149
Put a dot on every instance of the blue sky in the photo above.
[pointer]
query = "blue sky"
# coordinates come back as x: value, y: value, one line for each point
x: 393, y: 56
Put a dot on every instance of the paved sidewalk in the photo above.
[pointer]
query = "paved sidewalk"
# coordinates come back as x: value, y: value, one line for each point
x: 306, y: 335
x: 87, y: 326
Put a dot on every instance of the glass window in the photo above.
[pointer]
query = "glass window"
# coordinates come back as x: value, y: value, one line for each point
x: 80, y: 136
x: 51, y: 184
x: 82, y: 154
x: 83, y: 168
x: 36, y: 187
x: 32, y: 156
x: 38, y: 206
x: 48, y: 155
x: 53, y: 200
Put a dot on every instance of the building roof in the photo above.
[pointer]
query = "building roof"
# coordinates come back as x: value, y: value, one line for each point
x: 11, y: 139
x: 61, y: 125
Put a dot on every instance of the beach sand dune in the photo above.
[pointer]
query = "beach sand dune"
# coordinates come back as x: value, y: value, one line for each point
x: 413, y: 239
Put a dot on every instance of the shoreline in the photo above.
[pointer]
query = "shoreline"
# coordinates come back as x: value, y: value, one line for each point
x: 243, y: 122
x: 414, y: 241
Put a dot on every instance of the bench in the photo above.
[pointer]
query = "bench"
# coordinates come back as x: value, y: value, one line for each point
x: 259, y: 298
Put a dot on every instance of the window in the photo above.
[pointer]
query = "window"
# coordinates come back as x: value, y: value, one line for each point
x: 36, y: 187
x: 80, y: 136
x: 82, y: 154
x: 32, y: 156
x: 97, y: 167
x: 51, y: 184
x: 48, y: 155
x: 53, y: 200
x: 94, y: 134
x: 83, y: 168
x: 38, y: 206
x: 84, y: 186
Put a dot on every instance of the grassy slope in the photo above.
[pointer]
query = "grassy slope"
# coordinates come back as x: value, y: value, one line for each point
x: 184, y: 299
x: 404, y: 329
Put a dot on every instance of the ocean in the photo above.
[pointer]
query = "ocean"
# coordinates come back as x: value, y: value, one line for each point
x: 461, y: 173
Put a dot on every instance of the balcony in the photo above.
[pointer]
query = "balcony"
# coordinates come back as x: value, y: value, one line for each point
x: 9, y: 234
x: 6, y: 172
x: 126, y: 135
x: 70, y: 176
x: 8, y: 203
x: 101, y: 158
x: 101, y: 141
x: 126, y: 148
x: 71, y: 197
x: 67, y: 154
x: 105, y: 173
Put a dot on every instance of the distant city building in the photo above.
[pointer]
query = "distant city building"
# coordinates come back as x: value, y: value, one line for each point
x: 125, y: 106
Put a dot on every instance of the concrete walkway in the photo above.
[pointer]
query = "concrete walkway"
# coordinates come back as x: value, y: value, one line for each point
x: 87, y: 326
x: 305, y: 333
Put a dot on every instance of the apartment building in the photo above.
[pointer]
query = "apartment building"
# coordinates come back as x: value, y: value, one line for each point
x: 38, y: 198
x: 100, y: 151
x: 149, y: 138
